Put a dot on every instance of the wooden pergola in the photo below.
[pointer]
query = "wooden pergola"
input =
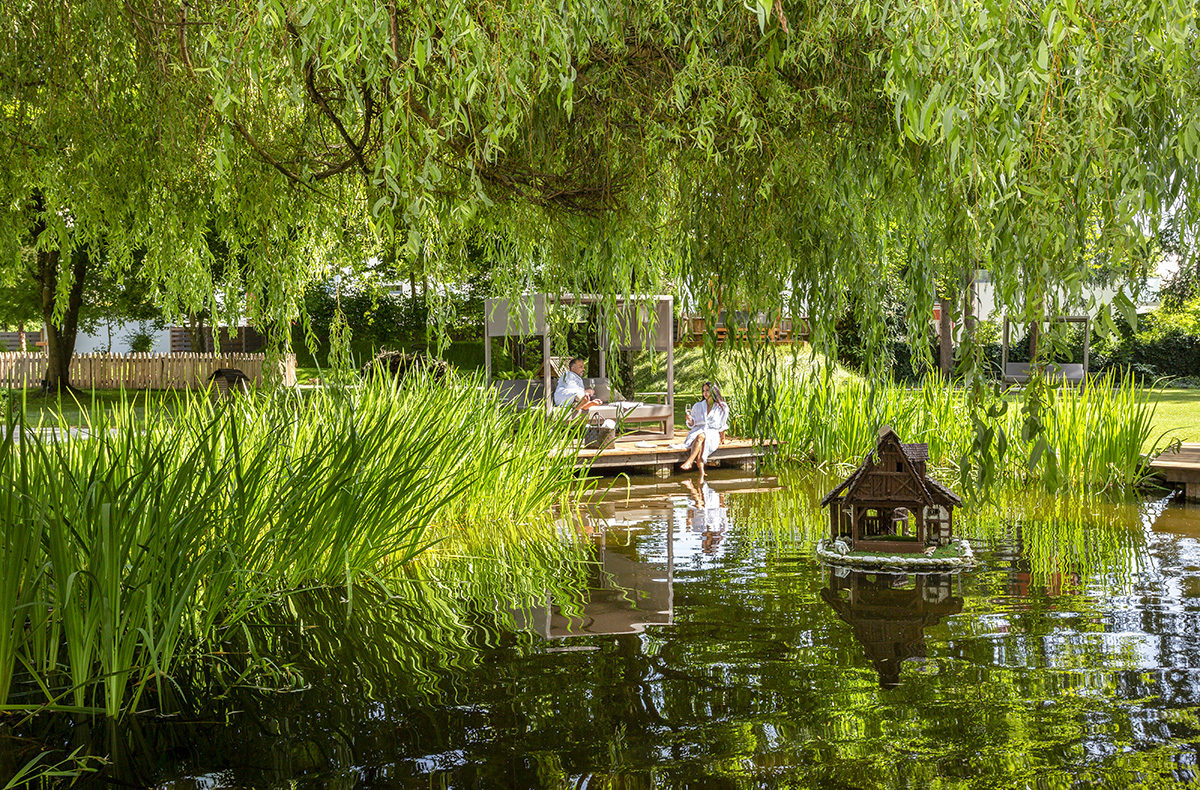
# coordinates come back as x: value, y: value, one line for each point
x: 645, y: 324
x: 1071, y: 372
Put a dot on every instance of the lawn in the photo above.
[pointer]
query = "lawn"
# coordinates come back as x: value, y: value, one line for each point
x: 1178, y: 415
x: 74, y: 406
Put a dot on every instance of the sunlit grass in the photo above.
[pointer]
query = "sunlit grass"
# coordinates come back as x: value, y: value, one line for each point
x: 1177, y: 415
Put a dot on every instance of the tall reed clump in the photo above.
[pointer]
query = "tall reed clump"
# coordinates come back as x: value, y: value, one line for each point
x: 1091, y: 436
x: 825, y: 419
x: 131, y: 546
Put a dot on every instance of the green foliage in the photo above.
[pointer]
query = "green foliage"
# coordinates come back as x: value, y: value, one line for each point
x: 134, y: 546
x: 737, y: 151
x: 140, y: 341
x: 1166, y: 344
x: 1089, y: 437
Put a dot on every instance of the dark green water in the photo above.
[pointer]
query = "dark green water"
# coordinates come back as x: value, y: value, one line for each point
x: 684, y: 640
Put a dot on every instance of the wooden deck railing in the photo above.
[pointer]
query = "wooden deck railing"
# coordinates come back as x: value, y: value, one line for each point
x: 139, y: 371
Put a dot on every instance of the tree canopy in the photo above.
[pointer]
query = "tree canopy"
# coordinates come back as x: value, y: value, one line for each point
x: 756, y: 153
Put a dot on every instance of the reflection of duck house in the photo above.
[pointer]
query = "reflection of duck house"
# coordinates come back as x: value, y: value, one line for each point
x: 888, y: 620
x: 890, y: 504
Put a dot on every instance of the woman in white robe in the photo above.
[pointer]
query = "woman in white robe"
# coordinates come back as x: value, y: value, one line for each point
x: 707, y: 422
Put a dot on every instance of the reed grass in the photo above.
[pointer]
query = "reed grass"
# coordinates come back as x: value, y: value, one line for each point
x: 134, y: 543
x: 1090, y: 437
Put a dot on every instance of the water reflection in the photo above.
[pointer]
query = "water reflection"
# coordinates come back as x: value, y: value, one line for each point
x: 627, y: 592
x: 889, y: 613
x: 624, y: 594
x: 707, y: 515
x: 767, y: 670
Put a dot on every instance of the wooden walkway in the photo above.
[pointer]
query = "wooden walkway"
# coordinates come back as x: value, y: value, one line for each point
x: 1180, y: 467
x: 664, y: 456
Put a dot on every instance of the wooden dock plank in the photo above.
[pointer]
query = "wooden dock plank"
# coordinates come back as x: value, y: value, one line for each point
x: 660, y: 455
x: 1180, y: 466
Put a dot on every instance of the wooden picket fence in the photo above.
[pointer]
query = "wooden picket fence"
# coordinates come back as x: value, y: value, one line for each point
x: 139, y: 371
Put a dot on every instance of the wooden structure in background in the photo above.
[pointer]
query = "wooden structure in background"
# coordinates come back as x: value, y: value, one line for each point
x: 890, y: 504
x: 242, y: 339
x: 11, y: 341
x: 139, y: 371
x: 1180, y: 467
x: 692, y: 329
x: 1070, y: 372
x: 529, y: 317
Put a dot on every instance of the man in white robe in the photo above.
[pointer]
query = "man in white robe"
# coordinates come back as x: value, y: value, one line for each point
x: 570, y: 390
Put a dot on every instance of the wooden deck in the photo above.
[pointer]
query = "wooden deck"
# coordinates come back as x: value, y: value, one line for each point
x: 663, y: 456
x: 657, y: 493
x: 1181, y: 467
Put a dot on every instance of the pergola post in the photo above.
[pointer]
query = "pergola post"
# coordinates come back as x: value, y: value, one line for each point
x: 602, y: 342
x: 546, y: 369
x: 1004, y: 351
x: 1087, y: 343
x: 487, y: 355
x: 670, y: 335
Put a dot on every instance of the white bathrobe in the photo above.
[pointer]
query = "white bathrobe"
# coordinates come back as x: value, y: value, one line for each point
x: 570, y: 388
x: 710, y: 422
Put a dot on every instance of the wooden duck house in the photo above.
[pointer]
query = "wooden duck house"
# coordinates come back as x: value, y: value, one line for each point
x: 890, y: 504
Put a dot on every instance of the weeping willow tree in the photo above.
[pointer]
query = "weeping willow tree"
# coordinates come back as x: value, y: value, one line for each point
x: 763, y: 155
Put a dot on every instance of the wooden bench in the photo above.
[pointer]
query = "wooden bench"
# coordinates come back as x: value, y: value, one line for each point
x: 639, y: 413
x: 1020, y: 372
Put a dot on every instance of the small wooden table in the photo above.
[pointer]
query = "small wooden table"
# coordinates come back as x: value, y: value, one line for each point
x: 634, y: 412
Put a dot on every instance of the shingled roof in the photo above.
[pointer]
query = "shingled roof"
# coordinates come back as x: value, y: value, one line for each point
x: 915, y: 454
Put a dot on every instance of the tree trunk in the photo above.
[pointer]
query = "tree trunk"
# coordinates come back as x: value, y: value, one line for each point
x: 60, y: 334
x: 945, y: 339
x: 21, y: 337
x: 1034, y: 330
x: 195, y: 330
x: 969, y: 308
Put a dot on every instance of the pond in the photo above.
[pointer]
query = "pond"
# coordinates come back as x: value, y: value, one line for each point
x: 675, y: 635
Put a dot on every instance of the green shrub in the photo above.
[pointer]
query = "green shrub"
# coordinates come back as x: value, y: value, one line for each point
x: 1166, y: 345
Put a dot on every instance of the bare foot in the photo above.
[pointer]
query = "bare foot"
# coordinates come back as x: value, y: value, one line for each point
x: 686, y: 466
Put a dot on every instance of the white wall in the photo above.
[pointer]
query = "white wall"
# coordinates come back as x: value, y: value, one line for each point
x: 98, y: 342
x: 986, y: 296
